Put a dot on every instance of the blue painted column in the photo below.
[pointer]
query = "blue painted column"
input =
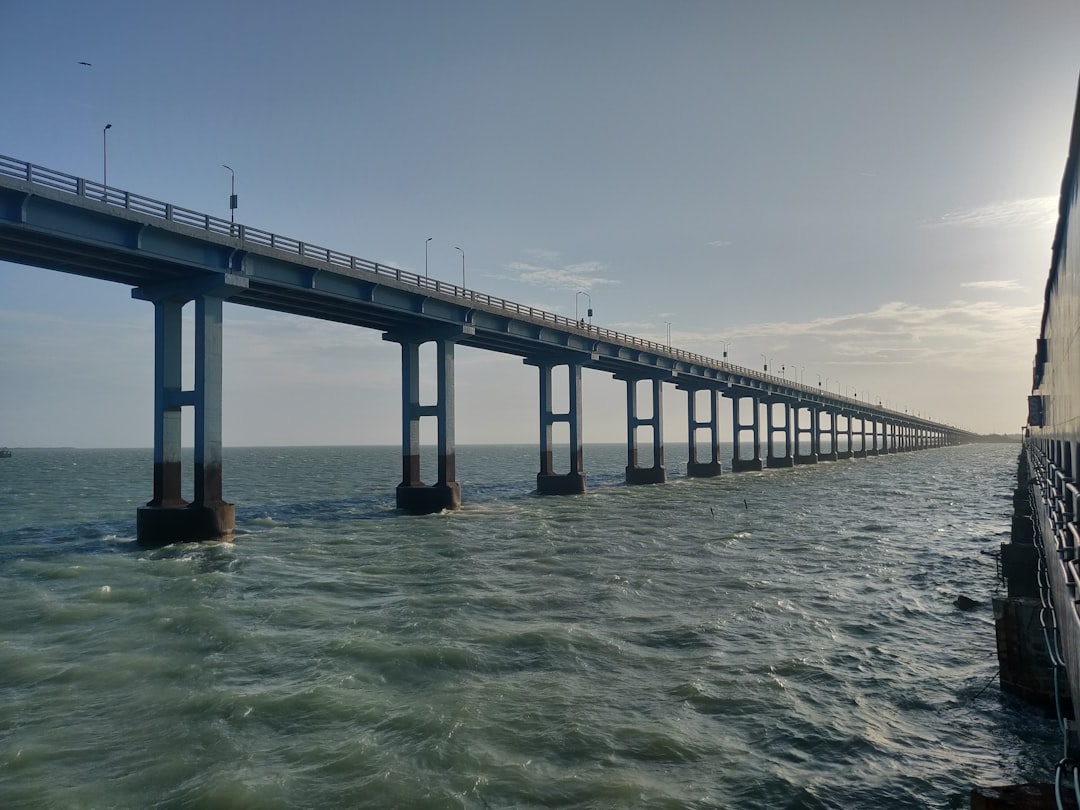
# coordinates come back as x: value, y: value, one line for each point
x: 412, y: 494
x: 713, y: 467
x: 548, y: 482
x: 635, y: 474
x: 739, y: 464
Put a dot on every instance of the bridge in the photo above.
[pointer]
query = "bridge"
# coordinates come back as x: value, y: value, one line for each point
x: 172, y: 256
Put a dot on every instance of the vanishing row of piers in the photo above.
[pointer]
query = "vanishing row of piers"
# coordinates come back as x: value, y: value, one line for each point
x: 173, y: 257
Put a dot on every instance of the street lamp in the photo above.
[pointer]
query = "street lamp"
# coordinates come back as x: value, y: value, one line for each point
x: 232, y: 194
x: 462, y: 267
x: 765, y: 362
x: 105, y: 156
x: 425, y: 254
x: 576, y: 299
x: 668, y: 323
x: 725, y: 343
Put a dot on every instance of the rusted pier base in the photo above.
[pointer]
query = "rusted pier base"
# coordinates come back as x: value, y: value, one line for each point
x: 572, y: 483
x: 157, y: 526
x: 424, y: 499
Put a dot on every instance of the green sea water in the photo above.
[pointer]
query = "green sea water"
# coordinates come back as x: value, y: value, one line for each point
x: 784, y: 639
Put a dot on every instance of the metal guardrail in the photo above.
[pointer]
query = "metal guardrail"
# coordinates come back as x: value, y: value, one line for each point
x: 98, y: 192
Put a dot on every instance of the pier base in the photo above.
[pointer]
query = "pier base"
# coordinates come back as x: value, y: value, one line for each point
x: 646, y: 475
x: 703, y: 469
x: 1029, y: 796
x: 157, y: 526
x: 421, y: 499
x: 747, y: 465
x: 568, y: 484
x: 780, y: 461
x: 844, y: 455
x: 810, y: 459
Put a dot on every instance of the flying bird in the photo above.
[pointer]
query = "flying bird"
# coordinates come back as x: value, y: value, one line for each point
x: 86, y: 63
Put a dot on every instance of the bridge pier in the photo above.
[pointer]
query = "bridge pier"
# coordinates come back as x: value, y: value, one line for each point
x: 635, y: 474
x: 800, y: 431
x: 861, y: 452
x: 548, y: 482
x: 412, y: 494
x: 831, y: 455
x: 738, y: 463
x: 771, y: 429
x: 848, y: 451
x: 713, y: 467
x: 167, y: 517
x: 873, y: 449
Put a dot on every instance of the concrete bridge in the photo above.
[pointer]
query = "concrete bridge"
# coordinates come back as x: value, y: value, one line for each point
x: 173, y: 256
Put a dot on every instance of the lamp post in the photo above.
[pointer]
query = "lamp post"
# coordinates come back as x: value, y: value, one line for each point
x: 105, y: 156
x: 462, y: 267
x: 765, y: 362
x: 668, y: 324
x: 577, y: 297
x: 426, y: 241
x: 725, y: 343
x: 232, y: 195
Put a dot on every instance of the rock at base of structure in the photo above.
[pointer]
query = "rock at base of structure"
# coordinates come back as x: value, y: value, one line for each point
x: 1032, y: 796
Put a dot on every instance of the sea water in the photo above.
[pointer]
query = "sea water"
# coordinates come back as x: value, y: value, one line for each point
x: 784, y: 639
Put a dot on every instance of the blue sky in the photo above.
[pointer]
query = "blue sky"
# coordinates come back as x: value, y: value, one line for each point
x: 864, y: 192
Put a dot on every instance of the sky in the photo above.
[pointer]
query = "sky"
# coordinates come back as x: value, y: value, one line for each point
x: 858, y: 194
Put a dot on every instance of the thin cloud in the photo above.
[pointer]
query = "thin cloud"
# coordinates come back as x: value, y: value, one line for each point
x: 956, y: 334
x: 1030, y: 212
x: 721, y: 243
x: 1004, y: 284
x: 546, y: 270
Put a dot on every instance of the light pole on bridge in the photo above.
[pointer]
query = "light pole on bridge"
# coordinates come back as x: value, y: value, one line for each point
x: 426, y: 241
x: 462, y: 267
x: 232, y: 194
x: 725, y: 343
x: 577, y: 297
x: 105, y: 156
x: 668, y: 324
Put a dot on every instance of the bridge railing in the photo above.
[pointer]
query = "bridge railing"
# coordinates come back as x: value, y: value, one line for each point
x: 98, y: 192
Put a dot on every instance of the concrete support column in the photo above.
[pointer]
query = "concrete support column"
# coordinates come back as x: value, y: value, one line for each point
x: 739, y: 464
x: 168, y: 403
x: 862, y: 451
x: 848, y: 451
x: 771, y: 428
x: 636, y: 474
x: 167, y: 517
x: 712, y: 467
x: 412, y: 494
x: 873, y: 449
x: 831, y: 455
x: 208, y: 384
x: 800, y: 431
x: 548, y: 482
